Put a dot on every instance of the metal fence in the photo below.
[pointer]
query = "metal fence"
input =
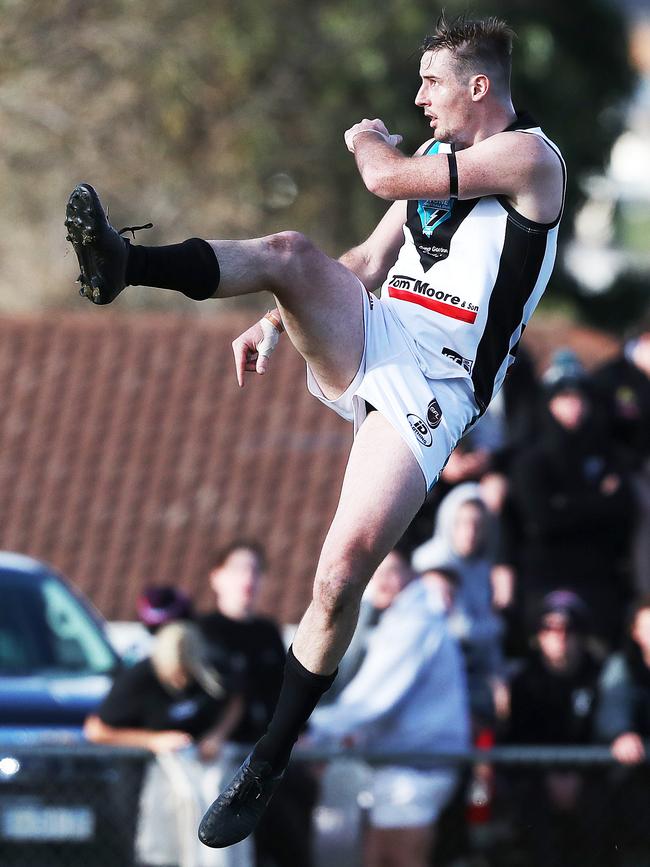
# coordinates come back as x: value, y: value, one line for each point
x: 69, y: 806
x: 79, y: 806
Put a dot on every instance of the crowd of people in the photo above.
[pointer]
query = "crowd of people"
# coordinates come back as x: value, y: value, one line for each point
x: 517, y: 603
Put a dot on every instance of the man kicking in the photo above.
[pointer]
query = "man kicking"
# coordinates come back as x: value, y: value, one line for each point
x: 462, y: 256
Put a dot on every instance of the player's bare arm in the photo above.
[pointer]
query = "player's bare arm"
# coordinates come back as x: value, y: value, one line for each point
x: 513, y: 164
x: 371, y: 260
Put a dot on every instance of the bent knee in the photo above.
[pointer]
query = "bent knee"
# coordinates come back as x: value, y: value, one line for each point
x: 288, y: 245
x: 289, y: 255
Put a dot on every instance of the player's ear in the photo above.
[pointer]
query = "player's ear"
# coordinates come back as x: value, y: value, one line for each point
x: 479, y: 86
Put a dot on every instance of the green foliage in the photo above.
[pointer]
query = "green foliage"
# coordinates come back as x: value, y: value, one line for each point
x: 194, y: 114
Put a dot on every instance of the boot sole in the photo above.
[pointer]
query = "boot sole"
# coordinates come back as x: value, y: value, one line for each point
x: 81, y: 220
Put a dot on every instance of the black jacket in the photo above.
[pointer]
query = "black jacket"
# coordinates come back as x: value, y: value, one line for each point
x: 551, y: 708
x: 623, y: 393
x: 563, y: 528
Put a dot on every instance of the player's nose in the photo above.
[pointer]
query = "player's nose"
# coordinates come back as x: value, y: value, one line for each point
x: 420, y: 97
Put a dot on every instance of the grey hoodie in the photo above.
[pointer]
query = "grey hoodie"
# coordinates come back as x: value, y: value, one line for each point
x: 473, y: 618
x: 410, y: 693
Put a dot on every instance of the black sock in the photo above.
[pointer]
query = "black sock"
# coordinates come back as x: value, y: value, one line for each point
x: 191, y: 268
x: 301, y: 690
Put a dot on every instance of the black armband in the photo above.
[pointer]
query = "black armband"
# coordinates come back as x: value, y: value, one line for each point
x: 453, y: 175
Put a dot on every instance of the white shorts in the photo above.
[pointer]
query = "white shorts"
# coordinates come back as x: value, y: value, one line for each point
x: 410, y: 798
x: 431, y: 415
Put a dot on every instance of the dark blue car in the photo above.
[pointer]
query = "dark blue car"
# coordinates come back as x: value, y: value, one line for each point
x: 61, y: 802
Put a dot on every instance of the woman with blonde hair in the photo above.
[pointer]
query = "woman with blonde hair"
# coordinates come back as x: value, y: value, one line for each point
x: 183, y: 710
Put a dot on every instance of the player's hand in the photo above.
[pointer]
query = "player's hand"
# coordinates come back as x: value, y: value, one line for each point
x: 253, y: 348
x: 375, y: 126
x: 169, y: 741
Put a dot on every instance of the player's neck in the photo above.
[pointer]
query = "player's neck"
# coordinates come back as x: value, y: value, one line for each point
x: 496, y: 120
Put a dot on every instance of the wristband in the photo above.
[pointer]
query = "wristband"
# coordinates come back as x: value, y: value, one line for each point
x: 453, y: 175
x: 274, y: 318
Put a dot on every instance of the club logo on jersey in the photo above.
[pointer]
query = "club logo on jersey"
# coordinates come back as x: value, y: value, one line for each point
x: 433, y: 212
x: 457, y: 358
x: 434, y: 414
x: 407, y: 288
x: 420, y: 429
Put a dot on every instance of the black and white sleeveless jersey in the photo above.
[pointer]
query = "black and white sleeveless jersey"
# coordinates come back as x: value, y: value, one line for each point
x: 468, y: 278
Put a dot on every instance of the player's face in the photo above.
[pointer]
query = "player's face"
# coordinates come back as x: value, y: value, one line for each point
x: 445, y: 98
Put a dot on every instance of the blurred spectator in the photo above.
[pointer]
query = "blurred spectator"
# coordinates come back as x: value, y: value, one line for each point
x: 570, y: 509
x: 488, y: 688
x: 251, y: 648
x: 624, y: 713
x: 623, y: 387
x: 553, y: 700
x: 409, y: 696
x: 157, y: 606
x: 509, y: 423
x: 463, y: 545
x: 388, y: 581
x: 624, y: 721
x: 485, y: 453
x: 167, y: 703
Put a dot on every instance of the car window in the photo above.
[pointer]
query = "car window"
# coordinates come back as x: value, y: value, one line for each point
x: 43, y: 628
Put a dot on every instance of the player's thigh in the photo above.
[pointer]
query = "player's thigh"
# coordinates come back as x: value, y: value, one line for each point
x: 322, y: 312
x: 383, y: 489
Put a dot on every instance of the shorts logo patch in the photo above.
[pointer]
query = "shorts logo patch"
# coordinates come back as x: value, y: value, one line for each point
x: 434, y: 414
x: 420, y: 429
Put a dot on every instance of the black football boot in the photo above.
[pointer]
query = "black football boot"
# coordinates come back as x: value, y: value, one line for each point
x: 101, y: 250
x: 236, y: 812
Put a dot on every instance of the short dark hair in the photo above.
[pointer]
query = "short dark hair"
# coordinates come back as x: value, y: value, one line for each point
x: 477, y: 45
x: 240, y: 545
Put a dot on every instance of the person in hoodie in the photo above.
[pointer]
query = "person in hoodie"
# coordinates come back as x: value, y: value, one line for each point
x: 571, y: 506
x: 409, y: 697
x: 463, y: 546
